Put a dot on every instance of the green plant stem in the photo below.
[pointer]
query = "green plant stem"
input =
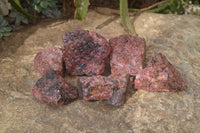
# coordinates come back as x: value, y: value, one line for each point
x: 166, y: 3
x: 159, y: 9
x: 34, y: 12
x: 125, y: 17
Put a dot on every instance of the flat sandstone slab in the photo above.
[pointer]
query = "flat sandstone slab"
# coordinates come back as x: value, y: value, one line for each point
x: 175, y: 36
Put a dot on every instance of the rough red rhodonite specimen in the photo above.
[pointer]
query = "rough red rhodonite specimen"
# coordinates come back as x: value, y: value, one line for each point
x: 47, y: 59
x: 119, y: 93
x: 109, y: 89
x: 159, y: 75
x: 53, y: 89
x: 127, y: 55
x: 85, y: 53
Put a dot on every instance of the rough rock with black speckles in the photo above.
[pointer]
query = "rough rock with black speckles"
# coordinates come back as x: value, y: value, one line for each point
x: 127, y: 55
x: 85, y: 53
x: 119, y: 93
x: 159, y: 75
x: 53, y: 89
x: 110, y: 89
x: 47, y: 59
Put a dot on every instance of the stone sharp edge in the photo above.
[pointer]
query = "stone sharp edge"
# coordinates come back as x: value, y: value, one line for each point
x: 110, y: 89
x: 119, y: 93
x: 85, y: 52
x: 53, y: 89
x: 159, y: 75
x: 48, y: 59
x: 128, y: 54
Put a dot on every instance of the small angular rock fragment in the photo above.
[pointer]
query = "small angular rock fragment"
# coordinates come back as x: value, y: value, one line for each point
x: 96, y: 88
x: 159, y: 75
x: 109, y: 89
x: 85, y: 53
x: 47, y: 59
x: 53, y: 89
x: 119, y: 94
x: 127, y: 55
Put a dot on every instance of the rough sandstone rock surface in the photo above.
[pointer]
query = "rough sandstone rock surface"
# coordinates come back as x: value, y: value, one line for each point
x: 53, y: 89
x: 127, y: 55
x: 85, y: 53
x: 48, y: 59
x: 111, y: 89
x: 175, y: 36
x: 159, y: 75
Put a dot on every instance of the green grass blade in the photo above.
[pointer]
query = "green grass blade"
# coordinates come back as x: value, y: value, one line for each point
x: 125, y: 17
x: 81, y: 9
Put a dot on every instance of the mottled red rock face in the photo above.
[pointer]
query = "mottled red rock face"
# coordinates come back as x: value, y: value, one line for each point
x: 85, y: 53
x: 53, y: 89
x: 159, y: 75
x: 119, y: 93
x: 96, y: 88
x: 110, y: 89
x: 127, y: 54
x: 48, y: 59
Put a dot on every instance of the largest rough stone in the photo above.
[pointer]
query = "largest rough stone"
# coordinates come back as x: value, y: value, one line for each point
x: 159, y: 75
x: 127, y: 55
x: 85, y: 53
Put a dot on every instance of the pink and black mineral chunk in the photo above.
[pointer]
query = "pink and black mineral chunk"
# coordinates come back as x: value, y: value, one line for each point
x: 53, y: 89
x: 127, y: 55
x: 85, y: 53
x: 119, y: 93
x: 48, y: 59
x: 159, y: 75
x: 108, y: 89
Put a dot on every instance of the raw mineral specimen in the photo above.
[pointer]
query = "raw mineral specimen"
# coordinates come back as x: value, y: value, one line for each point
x: 47, y: 59
x: 127, y: 55
x: 53, y: 89
x: 109, y: 89
x: 85, y: 53
x: 159, y: 75
x: 119, y: 93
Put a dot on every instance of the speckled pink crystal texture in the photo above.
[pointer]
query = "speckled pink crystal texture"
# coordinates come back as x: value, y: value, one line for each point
x: 53, y: 89
x: 127, y: 54
x: 85, y: 53
x: 119, y: 93
x: 159, y: 75
x: 110, y: 89
x: 47, y: 59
